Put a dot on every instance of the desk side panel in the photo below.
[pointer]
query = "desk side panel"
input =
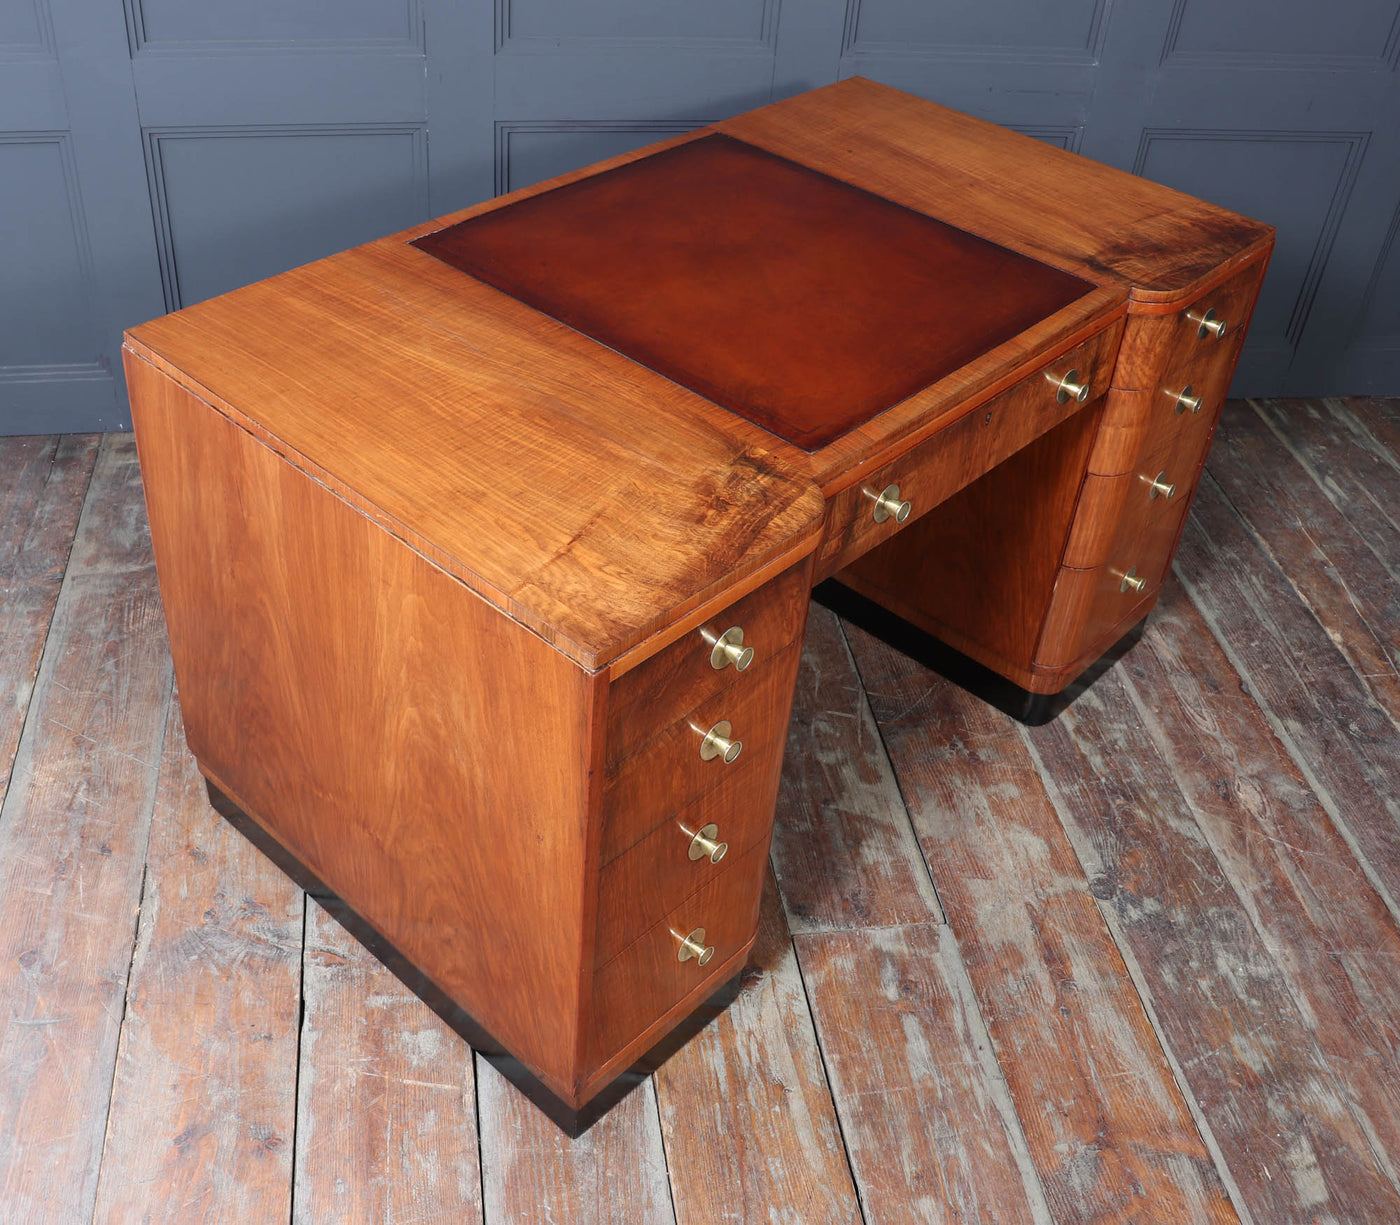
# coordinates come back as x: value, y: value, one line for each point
x: 419, y: 751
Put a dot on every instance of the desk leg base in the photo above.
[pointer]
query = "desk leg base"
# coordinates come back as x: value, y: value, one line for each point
x: 574, y: 1121
x: 1032, y: 709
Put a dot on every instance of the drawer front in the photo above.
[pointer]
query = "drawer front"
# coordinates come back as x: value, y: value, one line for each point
x: 626, y: 824
x: 1193, y: 336
x: 668, y: 771
x: 647, y: 978
x: 1089, y: 605
x: 676, y: 858
x: 681, y: 676
x: 957, y: 455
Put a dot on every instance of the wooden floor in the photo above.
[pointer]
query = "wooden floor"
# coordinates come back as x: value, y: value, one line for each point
x: 1142, y: 963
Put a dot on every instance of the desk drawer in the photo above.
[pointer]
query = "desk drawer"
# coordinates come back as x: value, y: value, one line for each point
x: 681, y: 676
x: 647, y: 977
x: 957, y: 455
x: 657, y: 873
x: 668, y: 771
x: 1193, y: 332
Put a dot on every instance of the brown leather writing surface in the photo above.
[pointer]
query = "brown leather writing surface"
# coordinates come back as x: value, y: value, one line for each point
x: 802, y: 303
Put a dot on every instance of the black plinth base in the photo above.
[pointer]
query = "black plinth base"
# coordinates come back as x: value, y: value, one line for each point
x: 1026, y: 707
x: 573, y: 1122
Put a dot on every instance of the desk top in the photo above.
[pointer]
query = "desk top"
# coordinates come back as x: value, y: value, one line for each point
x: 591, y: 498
x: 797, y: 301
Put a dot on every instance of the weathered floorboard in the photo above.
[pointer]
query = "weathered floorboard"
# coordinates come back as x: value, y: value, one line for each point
x: 73, y: 834
x: 1346, y: 745
x: 1326, y: 928
x: 1221, y: 1003
x: 1111, y: 1136
x: 930, y: 1129
x: 42, y: 483
x: 1350, y: 592
x: 748, y: 1121
x: 532, y: 1172
x: 843, y: 849
x: 204, y: 1099
x: 386, y: 1106
x: 1358, y: 472
x: 1380, y: 417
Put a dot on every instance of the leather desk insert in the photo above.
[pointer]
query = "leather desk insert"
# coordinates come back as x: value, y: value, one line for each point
x: 485, y: 548
x: 793, y: 299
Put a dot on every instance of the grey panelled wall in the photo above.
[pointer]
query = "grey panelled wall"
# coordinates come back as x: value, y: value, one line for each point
x: 155, y: 152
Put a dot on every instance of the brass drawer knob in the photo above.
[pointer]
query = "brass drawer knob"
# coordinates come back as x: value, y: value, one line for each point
x: 1184, y: 399
x: 1160, y: 487
x: 706, y: 844
x: 1208, y: 324
x: 694, y: 946
x: 717, y: 743
x: 887, y: 504
x: 1067, y: 385
x: 1131, y: 581
x: 728, y: 649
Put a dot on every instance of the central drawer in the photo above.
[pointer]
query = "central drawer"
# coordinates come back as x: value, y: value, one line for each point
x: 872, y: 509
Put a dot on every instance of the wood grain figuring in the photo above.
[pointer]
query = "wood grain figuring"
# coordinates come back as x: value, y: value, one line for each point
x: 978, y: 571
x: 1345, y: 744
x: 435, y: 561
x: 385, y: 1090
x: 654, y: 875
x: 1097, y: 222
x: 643, y: 981
x: 799, y: 302
x: 576, y: 500
x: 42, y: 483
x: 679, y: 677
x: 1108, y: 1130
x: 899, y: 1028
x: 843, y: 850
x: 740, y: 793
x: 1160, y: 343
x: 1089, y: 611
x: 679, y: 682
x: 1224, y: 1006
x: 203, y: 1110
x: 1291, y: 869
x: 929, y: 474
x: 73, y: 831
x: 296, y: 650
x: 532, y: 1171
x: 1161, y: 355
x: 1243, y: 818
x: 749, y: 1124
x: 667, y: 771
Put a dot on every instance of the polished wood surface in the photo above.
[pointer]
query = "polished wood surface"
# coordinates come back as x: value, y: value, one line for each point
x: 577, y: 492
x: 1033, y: 569
x: 439, y: 569
x: 1265, y: 684
x: 930, y: 474
x: 315, y: 634
x: 1078, y: 215
x: 797, y: 301
x: 667, y: 770
x: 978, y: 570
x: 676, y: 680
x: 646, y: 979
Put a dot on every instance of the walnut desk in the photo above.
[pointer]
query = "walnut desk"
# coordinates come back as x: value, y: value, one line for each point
x: 486, y: 547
